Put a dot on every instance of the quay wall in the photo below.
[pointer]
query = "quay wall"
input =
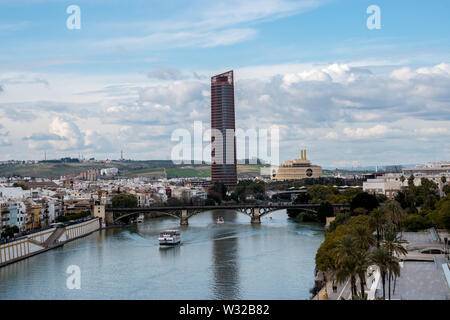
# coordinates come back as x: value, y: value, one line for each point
x: 34, y: 243
x: 79, y: 230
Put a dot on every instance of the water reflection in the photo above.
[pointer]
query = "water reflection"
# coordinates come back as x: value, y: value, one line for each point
x: 169, y: 252
x: 225, y: 258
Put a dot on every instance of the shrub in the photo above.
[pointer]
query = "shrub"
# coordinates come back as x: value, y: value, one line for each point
x: 74, y: 216
x: 341, y: 218
x: 416, y: 222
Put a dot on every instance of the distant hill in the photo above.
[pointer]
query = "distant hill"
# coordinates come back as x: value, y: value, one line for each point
x: 149, y: 168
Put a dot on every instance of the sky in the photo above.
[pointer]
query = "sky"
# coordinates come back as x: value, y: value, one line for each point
x: 138, y: 70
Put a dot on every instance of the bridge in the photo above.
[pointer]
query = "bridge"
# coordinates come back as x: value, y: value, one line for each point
x: 254, y: 211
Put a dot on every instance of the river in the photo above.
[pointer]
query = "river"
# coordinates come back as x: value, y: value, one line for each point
x: 234, y: 260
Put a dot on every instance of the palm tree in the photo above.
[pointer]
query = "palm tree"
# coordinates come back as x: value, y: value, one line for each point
x: 394, y: 213
x: 393, y: 243
x: 362, y: 263
x: 381, y: 257
x: 364, y: 239
x: 393, y: 270
x: 346, y: 262
x: 377, y: 220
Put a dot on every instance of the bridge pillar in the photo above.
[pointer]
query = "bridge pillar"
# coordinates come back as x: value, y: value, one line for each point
x: 184, y: 217
x: 109, y: 218
x: 256, y: 219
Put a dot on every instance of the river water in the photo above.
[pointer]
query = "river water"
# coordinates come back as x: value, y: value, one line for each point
x: 234, y: 260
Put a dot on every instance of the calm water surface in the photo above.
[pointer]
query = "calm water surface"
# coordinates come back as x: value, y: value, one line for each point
x: 234, y: 260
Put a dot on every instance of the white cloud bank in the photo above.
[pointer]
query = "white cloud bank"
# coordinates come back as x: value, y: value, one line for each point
x: 341, y: 112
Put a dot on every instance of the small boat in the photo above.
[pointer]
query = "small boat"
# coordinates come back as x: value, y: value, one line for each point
x: 140, y: 219
x: 169, y: 238
x: 220, y: 220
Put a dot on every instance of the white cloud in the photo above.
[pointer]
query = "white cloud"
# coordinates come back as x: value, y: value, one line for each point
x: 433, y: 131
x: 331, y: 135
x: 325, y: 108
x: 71, y: 137
x: 362, y: 133
x: 207, y: 24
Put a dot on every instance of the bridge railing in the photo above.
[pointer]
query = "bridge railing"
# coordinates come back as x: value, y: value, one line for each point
x: 282, y: 205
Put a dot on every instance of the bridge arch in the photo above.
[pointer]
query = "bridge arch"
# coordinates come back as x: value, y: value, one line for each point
x: 254, y: 211
x: 118, y: 218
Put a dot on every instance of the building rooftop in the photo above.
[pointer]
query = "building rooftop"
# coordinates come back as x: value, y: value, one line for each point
x: 417, y: 237
x: 420, y: 281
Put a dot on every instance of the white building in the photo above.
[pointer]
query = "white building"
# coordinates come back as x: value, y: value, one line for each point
x: 14, y: 193
x: 109, y: 171
x: 388, y: 185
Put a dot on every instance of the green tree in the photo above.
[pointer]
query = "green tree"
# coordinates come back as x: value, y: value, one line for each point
x: 393, y: 271
x: 325, y: 210
x: 346, y: 262
x: 9, y: 231
x: 319, y: 193
x: 325, y: 254
x: 426, y: 194
x: 351, y: 193
x: 377, y: 221
x: 302, y: 198
x: 393, y: 242
x: 416, y: 222
x: 446, y: 189
x: 441, y: 215
x: 124, y: 200
x: 411, y: 182
x: 381, y: 258
x: 359, y: 211
x: 341, y: 218
x: 174, y: 202
x: 364, y: 200
x: 362, y: 263
x: 363, y: 236
x: 21, y: 185
x: 394, y: 213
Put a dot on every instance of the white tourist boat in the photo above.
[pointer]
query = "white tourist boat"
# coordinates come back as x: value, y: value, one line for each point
x: 169, y: 238
x: 220, y: 220
x: 140, y: 219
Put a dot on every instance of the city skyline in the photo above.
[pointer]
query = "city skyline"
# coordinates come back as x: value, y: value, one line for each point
x: 350, y: 95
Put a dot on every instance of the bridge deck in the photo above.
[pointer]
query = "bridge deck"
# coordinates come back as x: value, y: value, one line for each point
x: 218, y: 207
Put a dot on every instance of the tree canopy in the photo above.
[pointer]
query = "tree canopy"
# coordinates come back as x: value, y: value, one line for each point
x: 124, y: 200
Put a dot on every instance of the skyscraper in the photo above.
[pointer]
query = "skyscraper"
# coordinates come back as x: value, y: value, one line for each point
x: 223, y: 140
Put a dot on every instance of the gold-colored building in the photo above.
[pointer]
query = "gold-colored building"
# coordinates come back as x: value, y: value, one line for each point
x: 297, y: 169
x: 33, y: 218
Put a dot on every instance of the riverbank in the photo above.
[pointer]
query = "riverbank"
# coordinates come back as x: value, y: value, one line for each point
x: 46, y: 240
